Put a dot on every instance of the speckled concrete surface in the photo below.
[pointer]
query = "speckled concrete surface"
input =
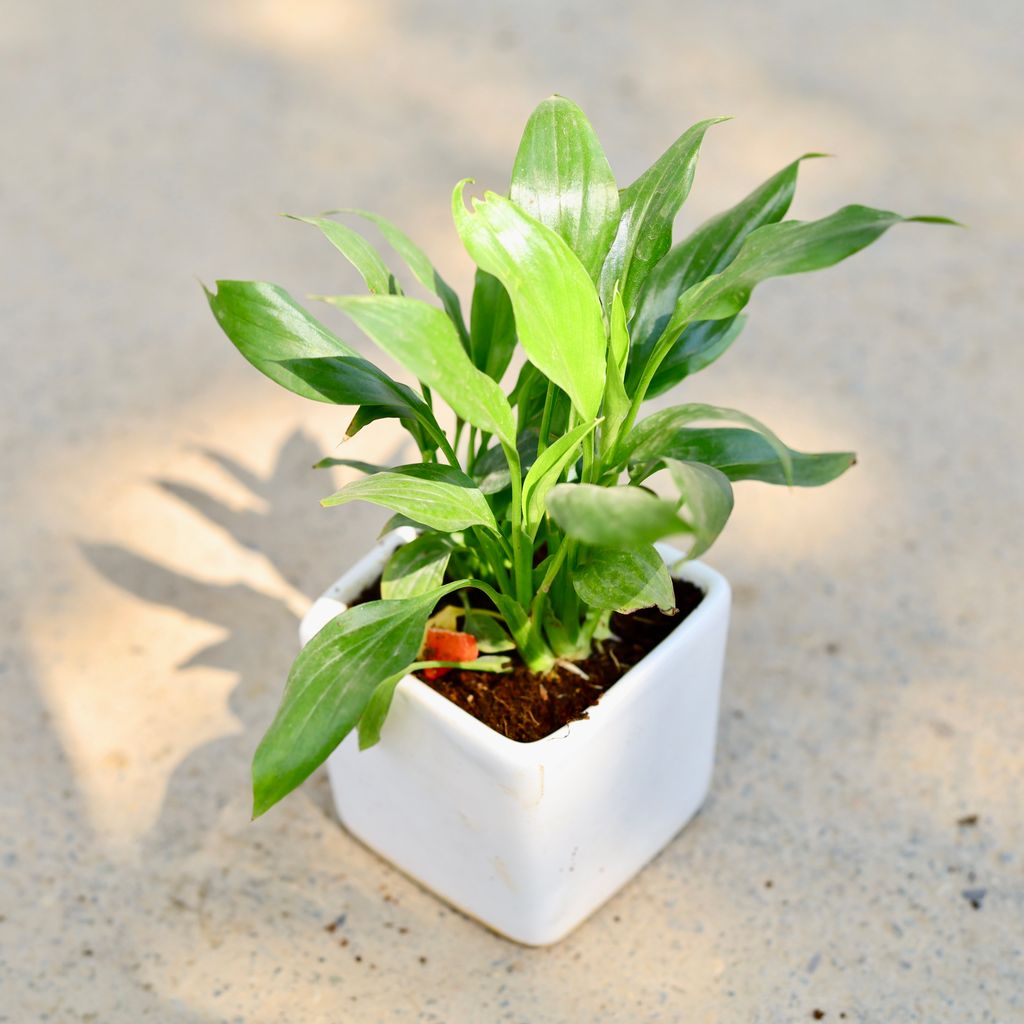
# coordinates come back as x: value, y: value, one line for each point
x: 161, y: 532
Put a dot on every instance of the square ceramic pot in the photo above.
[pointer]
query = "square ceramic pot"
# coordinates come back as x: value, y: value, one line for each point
x: 531, y: 838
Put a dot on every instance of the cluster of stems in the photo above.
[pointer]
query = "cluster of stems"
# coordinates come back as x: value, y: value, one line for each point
x: 530, y: 579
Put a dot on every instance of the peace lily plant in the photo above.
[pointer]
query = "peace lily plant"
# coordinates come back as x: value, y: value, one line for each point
x: 537, y: 498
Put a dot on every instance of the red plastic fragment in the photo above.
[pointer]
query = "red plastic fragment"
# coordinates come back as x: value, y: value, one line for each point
x: 447, y: 645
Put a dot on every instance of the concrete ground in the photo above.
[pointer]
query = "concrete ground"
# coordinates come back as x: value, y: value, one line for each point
x: 861, y: 857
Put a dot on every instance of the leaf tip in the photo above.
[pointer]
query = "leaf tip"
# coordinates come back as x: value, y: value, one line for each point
x: 261, y: 802
x: 367, y: 740
x: 929, y: 218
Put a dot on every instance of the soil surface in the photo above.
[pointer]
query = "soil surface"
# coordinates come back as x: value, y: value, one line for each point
x: 526, y: 706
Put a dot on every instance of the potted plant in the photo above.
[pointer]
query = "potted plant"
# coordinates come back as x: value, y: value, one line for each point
x: 450, y: 677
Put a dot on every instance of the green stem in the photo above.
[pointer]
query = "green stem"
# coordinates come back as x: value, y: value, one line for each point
x: 471, y: 449
x: 495, y: 557
x: 588, y: 459
x: 662, y: 349
x: 521, y: 556
x: 523, y: 402
x: 481, y: 446
x: 549, y: 577
x: 590, y: 624
x: 545, y: 418
x: 529, y: 640
x: 444, y: 445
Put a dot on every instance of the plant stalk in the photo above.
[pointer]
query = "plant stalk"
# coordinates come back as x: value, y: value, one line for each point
x: 661, y: 350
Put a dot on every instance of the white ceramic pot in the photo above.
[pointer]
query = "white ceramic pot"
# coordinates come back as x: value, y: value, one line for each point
x: 531, y: 838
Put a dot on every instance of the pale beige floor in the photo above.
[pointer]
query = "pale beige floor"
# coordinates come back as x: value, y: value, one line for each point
x: 161, y: 531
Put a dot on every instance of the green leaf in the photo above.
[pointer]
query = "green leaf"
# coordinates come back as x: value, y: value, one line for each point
x: 613, y: 517
x: 417, y: 567
x: 544, y: 474
x: 372, y: 719
x: 746, y: 455
x: 491, y: 638
x: 649, y: 206
x: 624, y: 581
x: 267, y: 326
x: 492, y: 326
x: 426, y: 439
x: 561, y: 178
x: 697, y: 347
x: 358, y: 251
x: 616, y: 401
x: 650, y: 437
x: 330, y: 684
x: 352, y: 380
x: 558, y: 315
x: 419, y: 263
x: 776, y: 250
x: 708, y: 498
x: 364, y: 467
x: 424, y: 341
x: 396, y: 522
x: 707, y: 251
x: 618, y: 331
x: 491, y: 471
x: 441, y: 497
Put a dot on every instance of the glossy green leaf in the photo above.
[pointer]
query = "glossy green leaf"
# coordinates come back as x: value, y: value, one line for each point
x: 561, y: 178
x: 707, y: 251
x: 267, y: 326
x: 423, y: 340
x: 441, y: 497
x: 397, y: 522
x: 372, y: 719
x: 545, y: 473
x: 698, y: 347
x: 492, y: 326
x: 776, y: 250
x: 708, y: 500
x: 417, y: 567
x: 652, y: 436
x: 352, y: 380
x: 624, y: 581
x: 746, y: 455
x: 558, y: 315
x: 364, y: 467
x: 426, y: 436
x: 330, y: 684
x: 648, y: 208
x: 613, y: 517
x: 358, y: 251
x: 616, y: 400
x: 293, y: 349
x: 491, y: 471
x: 419, y: 263
x: 491, y: 637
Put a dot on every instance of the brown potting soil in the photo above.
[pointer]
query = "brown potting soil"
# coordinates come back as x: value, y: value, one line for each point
x: 527, y: 706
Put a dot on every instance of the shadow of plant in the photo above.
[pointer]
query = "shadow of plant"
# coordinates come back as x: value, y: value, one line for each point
x: 301, y: 542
